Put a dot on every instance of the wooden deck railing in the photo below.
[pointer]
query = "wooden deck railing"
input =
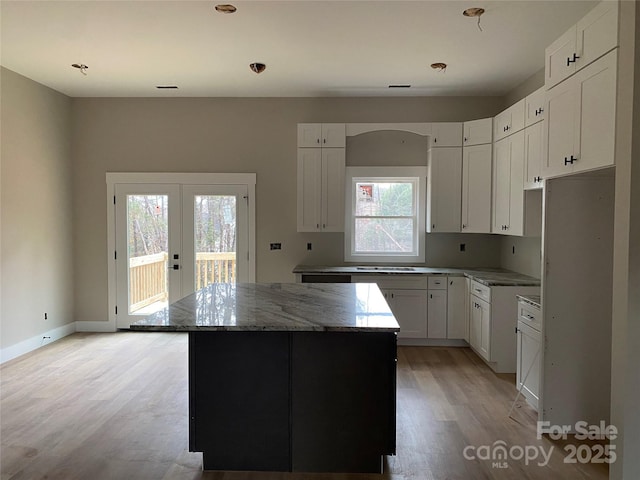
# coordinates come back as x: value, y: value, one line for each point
x: 148, y: 275
x: 214, y: 267
x: 147, y: 280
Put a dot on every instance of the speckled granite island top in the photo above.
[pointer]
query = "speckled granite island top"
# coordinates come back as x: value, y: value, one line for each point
x: 491, y: 277
x: 276, y: 307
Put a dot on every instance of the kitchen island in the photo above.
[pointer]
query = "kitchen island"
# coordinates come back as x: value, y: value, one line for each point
x: 288, y: 377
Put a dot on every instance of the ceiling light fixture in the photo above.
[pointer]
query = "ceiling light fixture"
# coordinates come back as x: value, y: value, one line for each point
x: 257, y: 67
x: 442, y: 67
x: 225, y: 8
x: 80, y: 66
x: 474, y: 12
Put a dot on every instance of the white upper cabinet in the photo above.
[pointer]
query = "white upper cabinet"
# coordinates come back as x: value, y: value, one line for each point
x: 448, y: 134
x: 508, y: 181
x: 533, y: 150
x: 321, y: 189
x: 312, y: 135
x: 476, y: 189
x: 593, y: 36
x: 580, y: 127
x: 509, y: 121
x: 477, y: 132
x: 444, y: 182
x: 534, y: 107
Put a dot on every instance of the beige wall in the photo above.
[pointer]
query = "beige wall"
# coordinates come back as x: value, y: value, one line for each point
x: 530, y: 85
x: 226, y: 135
x: 521, y: 254
x: 36, y: 209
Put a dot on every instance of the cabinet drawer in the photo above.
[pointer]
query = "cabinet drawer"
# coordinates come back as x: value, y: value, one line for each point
x: 481, y: 291
x: 530, y: 315
x: 437, y: 282
x: 394, y: 281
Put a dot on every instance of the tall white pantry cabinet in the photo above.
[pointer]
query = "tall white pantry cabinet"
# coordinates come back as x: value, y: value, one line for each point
x: 321, y: 167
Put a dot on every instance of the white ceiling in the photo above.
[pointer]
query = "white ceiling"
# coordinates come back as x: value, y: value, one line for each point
x: 311, y: 48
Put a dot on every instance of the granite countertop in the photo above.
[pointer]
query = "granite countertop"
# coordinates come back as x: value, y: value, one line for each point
x: 276, y: 307
x: 530, y: 299
x: 491, y: 277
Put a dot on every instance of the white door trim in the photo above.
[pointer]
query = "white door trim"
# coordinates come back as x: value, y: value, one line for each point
x: 113, y: 178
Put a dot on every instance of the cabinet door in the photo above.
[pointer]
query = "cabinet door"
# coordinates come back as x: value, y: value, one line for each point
x: 309, y: 134
x: 475, y: 323
x: 333, y: 167
x: 557, y: 67
x: 437, y: 314
x: 534, y: 107
x: 446, y: 134
x: 444, y: 195
x: 510, y: 121
x: 501, y: 185
x: 478, y: 132
x: 309, y: 189
x: 333, y: 135
x: 484, y: 348
x: 528, y: 363
x: 560, y: 130
x: 476, y: 189
x: 457, y: 325
x: 533, y: 147
x: 596, y: 33
x: 515, y: 226
x: 596, y: 85
x: 410, y: 309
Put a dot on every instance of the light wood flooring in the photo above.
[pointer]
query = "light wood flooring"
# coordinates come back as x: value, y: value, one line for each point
x: 114, y: 406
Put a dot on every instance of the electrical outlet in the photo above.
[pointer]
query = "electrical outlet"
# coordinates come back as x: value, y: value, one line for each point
x: 513, y: 249
x: 309, y: 246
x: 275, y: 246
x: 463, y: 247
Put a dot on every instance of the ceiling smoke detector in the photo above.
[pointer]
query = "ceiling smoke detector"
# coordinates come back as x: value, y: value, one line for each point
x: 257, y: 67
x: 474, y: 12
x: 441, y: 67
x: 226, y: 8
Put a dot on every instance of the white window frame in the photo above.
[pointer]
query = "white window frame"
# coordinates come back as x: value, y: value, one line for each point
x: 385, y: 174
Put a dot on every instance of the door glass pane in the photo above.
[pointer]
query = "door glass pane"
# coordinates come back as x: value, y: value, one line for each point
x: 148, y: 252
x: 215, y: 239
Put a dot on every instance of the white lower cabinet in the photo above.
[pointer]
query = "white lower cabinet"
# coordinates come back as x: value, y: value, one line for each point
x: 493, y: 313
x: 480, y: 327
x: 410, y: 309
x: 437, y: 314
x: 457, y: 324
x: 528, y: 363
x: 430, y: 309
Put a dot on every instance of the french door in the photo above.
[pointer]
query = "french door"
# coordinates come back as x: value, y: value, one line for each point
x: 174, y: 239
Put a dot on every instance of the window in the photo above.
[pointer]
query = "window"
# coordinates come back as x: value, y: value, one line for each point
x: 385, y: 217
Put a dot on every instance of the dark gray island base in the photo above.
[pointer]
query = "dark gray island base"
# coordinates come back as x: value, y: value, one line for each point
x: 288, y: 377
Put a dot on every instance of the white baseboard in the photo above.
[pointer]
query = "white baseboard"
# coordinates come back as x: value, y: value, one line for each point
x: 95, y: 327
x: 33, y: 343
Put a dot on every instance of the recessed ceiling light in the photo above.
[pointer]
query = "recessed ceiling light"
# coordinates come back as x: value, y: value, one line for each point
x: 226, y: 8
x: 257, y: 67
x: 439, y: 66
x: 474, y: 12
x: 167, y: 87
x: 400, y: 86
x: 80, y: 66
